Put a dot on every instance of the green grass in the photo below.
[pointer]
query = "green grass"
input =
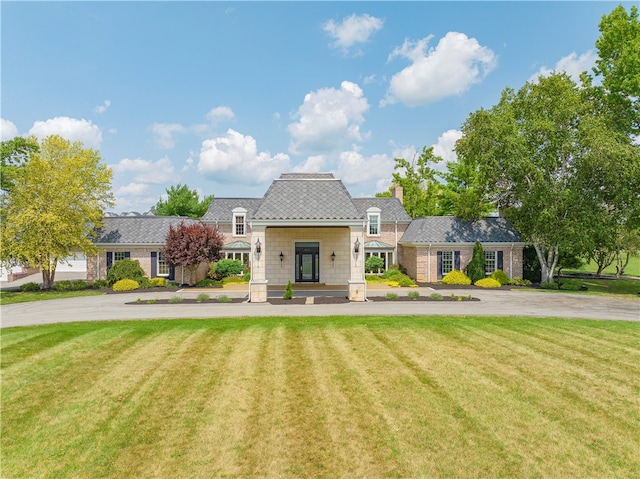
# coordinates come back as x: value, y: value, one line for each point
x: 322, y: 397
x: 11, y: 297
x: 600, y: 286
x: 632, y: 269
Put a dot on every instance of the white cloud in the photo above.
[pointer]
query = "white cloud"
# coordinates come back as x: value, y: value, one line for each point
x: 145, y: 171
x: 102, y: 108
x: 354, y: 168
x: 220, y: 113
x: 70, y: 128
x: 444, y: 147
x: 573, y: 64
x: 133, y: 189
x: 456, y: 63
x: 234, y: 157
x: 7, y: 130
x: 329, y: 119
x: 164, y: 132
x: 352, y: 30
x: 312, y: 164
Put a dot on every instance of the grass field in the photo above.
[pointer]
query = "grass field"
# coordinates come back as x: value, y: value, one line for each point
x: 324, y: 397
x: 632, y: 269
x: 12, y: 297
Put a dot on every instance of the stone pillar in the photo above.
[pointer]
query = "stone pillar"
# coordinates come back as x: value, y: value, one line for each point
x: 258, y: 283
x: 357, y: 284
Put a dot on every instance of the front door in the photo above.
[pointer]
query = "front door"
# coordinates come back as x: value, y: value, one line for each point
x: 307, y: 262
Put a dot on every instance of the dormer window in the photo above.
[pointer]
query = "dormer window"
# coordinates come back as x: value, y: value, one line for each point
x: 373, y: 215
x: 239, y: 222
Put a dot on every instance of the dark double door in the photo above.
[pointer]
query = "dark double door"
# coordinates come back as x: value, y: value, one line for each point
x: 307, y: 262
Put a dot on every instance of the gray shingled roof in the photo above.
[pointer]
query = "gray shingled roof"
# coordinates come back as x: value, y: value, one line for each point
x: 220, y: 208
x: 448, y: 229
x: 304, y: 196
x: 391, y: 208
x: 138, y: 229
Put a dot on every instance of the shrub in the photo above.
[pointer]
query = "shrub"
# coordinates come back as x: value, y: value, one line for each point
x: 175, y: 299
x: 436, y: 296
x: 391, y: 272
x: 247, y: 276
x: 30, y: 287
x: 372, y: 278
x: 549, y: 285
x: 125, y: 285
x: 475, y: 268
x: 413, y: 294
x: 125, y: 269
x: 223, y: 299
x: 391, y: 297
x: 517, y: 281
x: 393, y: 284
x: 100, y: 284
x: 227, y: 267
x: 456, y: 277
x: 488, y: 283
x: 234, y: 279
x: 288, y: 292
x: 202, y: 297
x: 399, y: 267
x: 158, y: 282
x: 207, y: 283
x: 67, y: 285
x: 501, y: 277
x: 373, y: 264
x: 400, y: 279
x: 171, y: 284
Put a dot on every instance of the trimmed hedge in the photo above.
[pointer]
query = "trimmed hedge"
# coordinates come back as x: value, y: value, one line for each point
x: 126, y: 269
x: 488, y: 283
x: 125, y: 285
x: 158, y: 282
x: 500, y: 276
x: 67, y: 285
x: 29, y: 287
x: 456, y: 277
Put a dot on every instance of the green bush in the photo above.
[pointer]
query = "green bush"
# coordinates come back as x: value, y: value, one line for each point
x: 202, y: 297
x: 435, y: 296
x: 399, y: 267
x: 373, y: 278
x: 158, y: 282
x: 125, y: 285
x: 475, y: 268
x: 234, y: 280
x: 227, y: 267
x: 207, y: 283
x: 223, y: 299
x: 28, y: 287
x: 488, y: 283
x: 100, y: 284
x: 176, y: 299
x: 391, y: 272
x: 501, y: 277
x: 517, y: 281
x: 403, y: 280
x: 456, y: 277
x: 67, y: 285
x: 391, y: 297
x: 413, y: 295
x: 288, y: 292
x: 247, y: 276
x: 549, y: 285
x: 373, y: 264
x: 125, y: 269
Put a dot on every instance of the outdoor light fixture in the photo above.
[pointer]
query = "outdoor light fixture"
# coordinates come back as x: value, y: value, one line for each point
x: 356, y: 246
x: 258, y: 246
x: 333, y: 256
x: 281, y: 256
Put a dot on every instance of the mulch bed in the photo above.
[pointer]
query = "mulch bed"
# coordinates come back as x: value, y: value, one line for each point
x: 185, y: 301
x: 423, y: 298
x: 316, y: 300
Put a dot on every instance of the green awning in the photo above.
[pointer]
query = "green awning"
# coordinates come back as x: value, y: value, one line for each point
x: 237, y: 245
x: 377, y: 245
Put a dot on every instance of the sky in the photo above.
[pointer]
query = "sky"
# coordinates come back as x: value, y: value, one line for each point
x: 226, y: 96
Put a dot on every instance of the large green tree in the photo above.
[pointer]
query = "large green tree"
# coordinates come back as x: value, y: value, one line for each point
x: 182, y: 201
x: 13, y: 154
x: 57, y: 200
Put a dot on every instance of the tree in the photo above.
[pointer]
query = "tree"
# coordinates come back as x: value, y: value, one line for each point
x: 181, y: 201
x: 56, y: 202
x: 191, y: 245
x: 13, y: 154
x: 475, y: 268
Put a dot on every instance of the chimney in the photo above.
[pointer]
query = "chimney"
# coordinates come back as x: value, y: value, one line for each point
x: 397, y: 192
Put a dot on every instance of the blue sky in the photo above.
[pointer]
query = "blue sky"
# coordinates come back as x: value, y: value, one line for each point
x: 225, y: 96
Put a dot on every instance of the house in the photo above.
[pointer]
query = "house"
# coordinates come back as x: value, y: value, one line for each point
x: 308, y: 229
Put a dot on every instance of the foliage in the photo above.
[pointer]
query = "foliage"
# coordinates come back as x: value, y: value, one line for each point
x: 235, y: 280
x: 56, y: 202
x: 391, y: 297
x: 14, y: 153
x: 549, y: 285
x: 191, y: 245
x: 488, y: 283
x: 390, y: 272
x: 176, y: 299
x: 399, y: 267
x: 373, y: 264
x: 181, y: 201
x: 436, y: 296
x: 223, y: 299
x: 125, y: 285
x: 158, y: 282
x: 202, y: 297
x: 518, y: 281
x: 475, y: 268
x: 413, y: 295
x: 247, y: 276
x: 67, y: 285
x: 373, y: 278
x: 456, y: 277
x: 125, y: 269
x: 227, y: 267
x: 30, y: 287
x: 100, y: 284
x: 400, y: 279
x: 500, y: 276
x: 288, y: 292
x: 207, y: 283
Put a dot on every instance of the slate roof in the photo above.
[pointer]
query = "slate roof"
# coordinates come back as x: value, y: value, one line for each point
x: 138, y: 229
x: 448, y: 229
x: 307, y: 196
x: 220, y: 208
x: 391, y: 208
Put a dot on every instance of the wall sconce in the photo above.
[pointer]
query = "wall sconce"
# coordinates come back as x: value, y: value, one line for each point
x: 258, y: 246
x: 333, y: 256
x: 356, y: 246
x: 281, y: 256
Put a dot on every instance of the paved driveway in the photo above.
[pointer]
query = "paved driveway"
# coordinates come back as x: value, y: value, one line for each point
x: 492, y: 303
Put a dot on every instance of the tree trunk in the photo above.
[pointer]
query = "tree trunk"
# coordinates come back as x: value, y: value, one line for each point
x: 548, y: 263
x: 48, y: 275
x: 621, y: 265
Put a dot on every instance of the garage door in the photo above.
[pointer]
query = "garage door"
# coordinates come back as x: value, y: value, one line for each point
x: 78, y: 264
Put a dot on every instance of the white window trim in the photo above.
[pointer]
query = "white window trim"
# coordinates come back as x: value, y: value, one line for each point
x: 377, y: 212
x: 239, y: 213
x: 158, y: 261
x: 453, y: 260
x: 488, y: 272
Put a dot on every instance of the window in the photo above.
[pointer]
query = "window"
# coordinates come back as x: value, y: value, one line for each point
x: 242, y: 256
x: 489, y: 262
x: 118, y: 255
x: 163, y: 267
x: 387, y: 257
x: 239, y: 222
x: 447, y: 262
x: 373, y: 214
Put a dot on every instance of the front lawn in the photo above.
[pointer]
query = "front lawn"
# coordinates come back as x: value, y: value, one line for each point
x: 600, y: 286
x: 322, y: 397
x: 11, y: 297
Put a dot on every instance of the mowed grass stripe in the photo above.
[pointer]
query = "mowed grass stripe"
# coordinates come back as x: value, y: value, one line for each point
x: 322, y: 397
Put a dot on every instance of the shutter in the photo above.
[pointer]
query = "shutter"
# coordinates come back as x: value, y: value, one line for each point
x: 109, y: 259
x: 456, y: 260
x: 439, y: 264
x: 499, y: 261
x: 154, y: 264
x: 172, y: 273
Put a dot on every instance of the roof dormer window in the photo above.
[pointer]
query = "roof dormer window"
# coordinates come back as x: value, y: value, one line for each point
x: 373, y: 216
x: 239, y: 222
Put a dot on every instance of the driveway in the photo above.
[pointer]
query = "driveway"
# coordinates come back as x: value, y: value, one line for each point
x: 492, y: 303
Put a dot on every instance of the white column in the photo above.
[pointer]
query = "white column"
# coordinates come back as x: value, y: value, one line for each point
x: 357, y: 283
x: 258, y: 283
